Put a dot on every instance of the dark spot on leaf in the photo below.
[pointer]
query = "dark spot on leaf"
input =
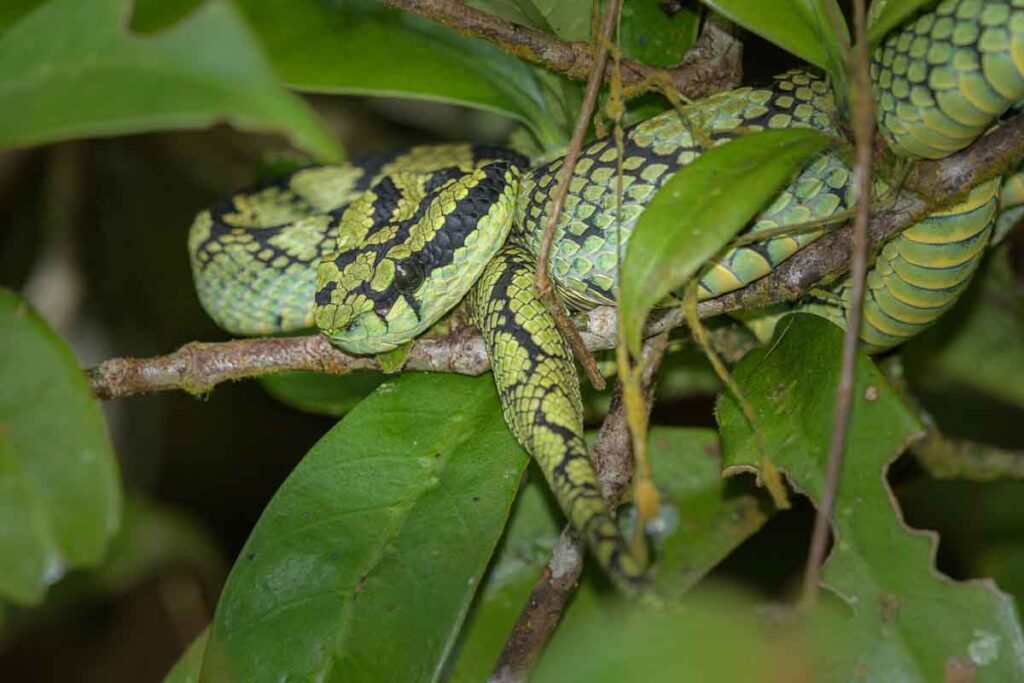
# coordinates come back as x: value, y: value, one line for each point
x: 476, y: 499
x: 251, y: 557
x: 890, y: 606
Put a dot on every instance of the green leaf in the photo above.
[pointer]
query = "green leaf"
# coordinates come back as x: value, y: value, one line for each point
x: 813, y: 30
x: 885, y: 15
x: 525, y: 549
x: 908, y: 623
x: 187, y: 668
x: 988, y: 322
x: 703, y: 523
x: 710, y: 637
x: 356, y: 46
x: 71, y: 69
x: 60, y: 496
x: 315, y: 392
x: 153, y: 538
x: 364, y: 563
x: 13, y: 10
x: 700, y: 209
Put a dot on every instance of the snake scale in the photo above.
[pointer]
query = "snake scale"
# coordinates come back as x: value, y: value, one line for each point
x: 375, y: 252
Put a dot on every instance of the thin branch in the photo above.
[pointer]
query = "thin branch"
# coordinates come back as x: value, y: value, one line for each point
x: 544, y: 286
x: 712, y: 64
x: 199, y: 366
x: 948, y: 458
x: 613, y: 461
x: 863, y: 135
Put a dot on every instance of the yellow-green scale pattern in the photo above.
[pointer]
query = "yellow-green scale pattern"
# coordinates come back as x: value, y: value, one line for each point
x: 392, y: 234
x: 540, y: 397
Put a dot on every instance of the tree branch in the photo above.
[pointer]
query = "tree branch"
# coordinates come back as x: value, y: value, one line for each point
x: 612, y: 458
x: 712, y: 64
x: 199, y: 366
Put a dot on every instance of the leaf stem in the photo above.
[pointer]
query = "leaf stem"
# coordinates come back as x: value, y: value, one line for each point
x: 863, y: 135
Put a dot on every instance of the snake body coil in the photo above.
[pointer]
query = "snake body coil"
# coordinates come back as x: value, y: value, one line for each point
x: 374, y: 253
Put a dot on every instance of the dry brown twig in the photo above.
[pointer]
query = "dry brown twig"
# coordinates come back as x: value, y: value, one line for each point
x: 863, y: 135
x: 613, y: 460
x: 712, y: 64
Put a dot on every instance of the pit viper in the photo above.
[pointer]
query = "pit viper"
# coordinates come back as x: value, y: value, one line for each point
x: 373, y: 253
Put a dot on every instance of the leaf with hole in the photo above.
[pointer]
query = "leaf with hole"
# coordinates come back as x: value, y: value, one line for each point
x: 908, y: 623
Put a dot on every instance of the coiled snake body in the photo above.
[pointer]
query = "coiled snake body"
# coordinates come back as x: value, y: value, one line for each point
x: 374, y: 253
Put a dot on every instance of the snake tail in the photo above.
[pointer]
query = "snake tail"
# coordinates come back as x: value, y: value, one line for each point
x: 540, y: 397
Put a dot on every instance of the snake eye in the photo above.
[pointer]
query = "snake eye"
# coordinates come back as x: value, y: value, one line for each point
x: 409, y: 276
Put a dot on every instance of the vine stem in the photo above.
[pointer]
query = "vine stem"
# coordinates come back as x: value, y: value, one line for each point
x: 863, y: 136
x: 545, y: 288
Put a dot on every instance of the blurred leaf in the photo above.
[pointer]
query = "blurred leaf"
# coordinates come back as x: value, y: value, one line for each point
x: 813, y: 30
x: 71, y: 69
x: 988, y: 542
x: 152, y: 538
x: 364, y: 563
x: 885, y: 15
x: 60, y: 497
x: 908, y: 623
x: 566, y: 19
x: 708, y: 638
x: 699, y: 210
x: 187, y: 668
x: 649, y: 35
x: 702, y: 522
x: 356, y: 46
x: 315, y: 392
x: 150, y: 16
x: 987, y: 323
x: 13, y: 10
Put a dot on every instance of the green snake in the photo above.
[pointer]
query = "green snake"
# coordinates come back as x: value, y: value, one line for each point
x: 374, y: 253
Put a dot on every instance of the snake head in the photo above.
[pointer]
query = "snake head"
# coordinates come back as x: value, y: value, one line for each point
x: 409, y: 249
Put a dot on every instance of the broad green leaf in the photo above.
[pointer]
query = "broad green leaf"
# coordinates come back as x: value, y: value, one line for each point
x: 187, y: 668
x: 315, y: 392
x: 365, y: 561
x: 885, y: 15
x: 813, y: 30
x: 71, y: 69
x: 356, y: 46
x: 703, y: 522
x: 988, y: 323
x: 525, y: 549
x: 908, y: 622
x: 60, y: 496
x: 700, y: 209
x: 710, y: 637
